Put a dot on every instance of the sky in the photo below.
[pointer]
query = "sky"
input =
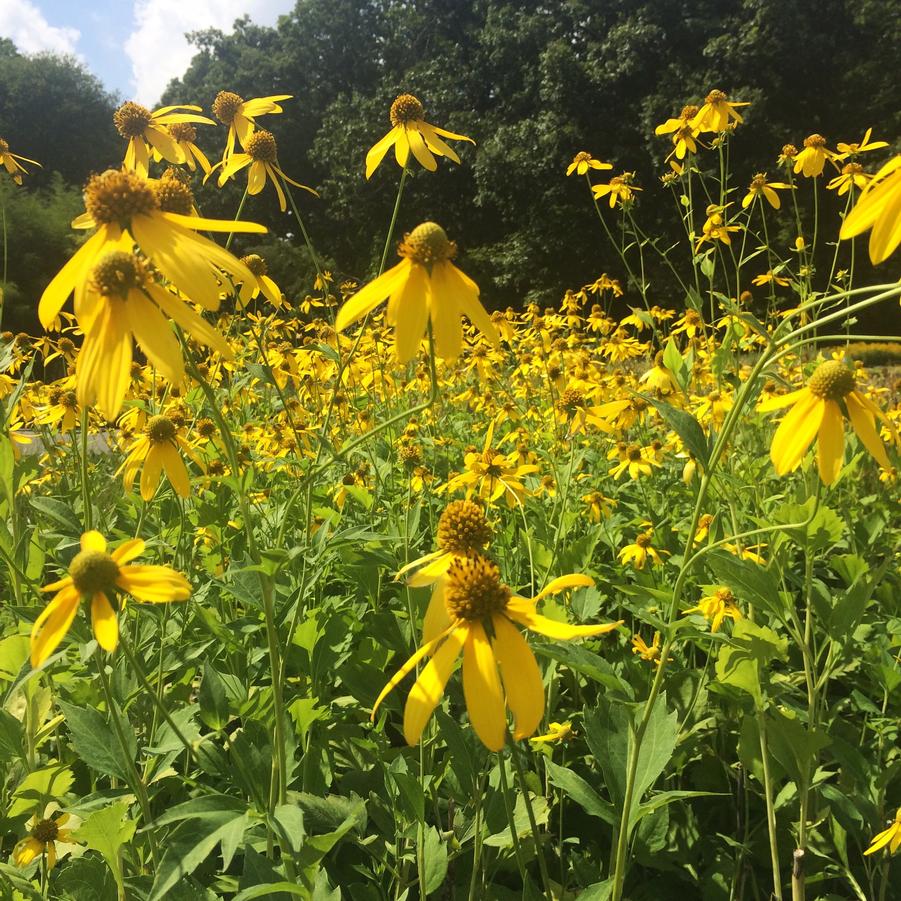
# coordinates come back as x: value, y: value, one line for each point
x: 133, y: 46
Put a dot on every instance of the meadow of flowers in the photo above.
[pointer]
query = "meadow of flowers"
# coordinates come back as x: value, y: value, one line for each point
x: 248, y: 538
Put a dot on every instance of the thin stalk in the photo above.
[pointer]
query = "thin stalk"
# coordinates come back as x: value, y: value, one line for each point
x: 508, y: 806
x: 770, y: 806
x: 390, y: 235
x: 533, y: 823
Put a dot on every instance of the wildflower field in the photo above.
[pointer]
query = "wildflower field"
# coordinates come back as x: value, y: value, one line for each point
x: 377, y: 592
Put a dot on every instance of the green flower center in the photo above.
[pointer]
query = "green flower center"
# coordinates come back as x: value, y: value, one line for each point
x: 473, y: 590
x: 45, y: 831
x: 832, y: 381
x: 160, y: 428
x: 428, y: 244
x: 93, y: 572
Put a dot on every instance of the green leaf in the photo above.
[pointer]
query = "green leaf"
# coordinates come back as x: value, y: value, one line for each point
x: 38, y: 787
x: 586, y: 662
x: 575, y: 787
x: 741, y: 662
x: 213, y: 698
x: 105, y: 831
x: 435, y: 853
x: 288, y: 821
x: 662, y: 799
x: 94, y: 741
x: 686, y: 427
x: 192, y: 843
x: 749, y: 581
x: 656, y: 749
x: 270, y: 889
x: 62, y: 514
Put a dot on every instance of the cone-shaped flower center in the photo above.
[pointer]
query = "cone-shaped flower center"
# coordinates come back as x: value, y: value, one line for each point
x: 131, y: 119
x: 183, y: 131
x: 688, y: 112
x: 226, y: 105
x: 256, y: 264
x: 832, y: 381
x: 406, y: 108
x: 463, y: 528
x: 115, y: 196
x: 716, y: 96
x: 644, y: 539
x: 473, y: 590
x: 815, y: 141
x: 261, y: 146
x: 94, y: 571
x: 573, y: 399
x: 45, y: 831
x: 427, y: 244
x: 175, y: 196
x: 117, y: 273
x: 160, y: 428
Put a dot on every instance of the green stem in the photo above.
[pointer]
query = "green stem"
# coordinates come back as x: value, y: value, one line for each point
x: 770, y: 806
x: 508, y: 806
x: 390, y: 235
x: 533, y: 823
x: 85, y: 483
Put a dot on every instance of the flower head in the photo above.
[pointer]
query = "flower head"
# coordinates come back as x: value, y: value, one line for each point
x: 684, y: 134
x: 424, y: 288
x: 717, y: 113
x: 479, y: 619
x: 717, y: 607
x: 43, y: 834
x: 760, y: 187
x: 410, y: 133
x: 812, y: 159
x: 96, y: 575
x: 240, y: 115
x: 12, y: 162
x: 619, y: 190
x: 817, y: 410
x: 583, y: 162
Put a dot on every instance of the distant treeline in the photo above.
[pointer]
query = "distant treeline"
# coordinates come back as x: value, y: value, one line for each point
x: 532, y: 83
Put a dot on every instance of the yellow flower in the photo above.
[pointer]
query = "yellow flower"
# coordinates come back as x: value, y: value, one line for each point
x: 879, y: 208
x: 262, y: 158
x: 410, y: 132
x: 185, y: 135
x: 811, y: 160
x: 43, y: 835
x: 638, y: 553
x: 651, y: 652
x: 599, y: 505
x: 715, y: 228
x: 95, y: 575
x: 424, y: 287
x: 717, y: 113
x: 618, y: 190
x: 890, y: 837
x: 705, y: 521
x: 851, y: 174
x: 11, y: 162
x: 760, y: 187
x: 145, y: 129
x: 122, y: 300
x: 157, y: 449
x: 717, y: 607
x: 581, y: 164
x: 683, y: 132
x: 815, y: 410
x: 659, y: 378
x: 770, y: 278
x: 262, y: 283
x: 863, y: 147
x: 474, y: 593
x: 559, y: 732
x: 120, y: 203
x: 240, y: 115
x: 635, y: 461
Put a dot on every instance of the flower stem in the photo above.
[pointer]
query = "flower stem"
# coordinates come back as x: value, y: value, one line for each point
x: 390, y: 235
x: 533, y: 823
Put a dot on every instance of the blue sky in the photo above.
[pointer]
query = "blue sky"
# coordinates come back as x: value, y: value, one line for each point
x: 133, y: 46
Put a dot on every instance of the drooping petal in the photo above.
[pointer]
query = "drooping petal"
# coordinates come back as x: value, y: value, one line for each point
x: 830, y: 443
x: 434, y: 569
x: 408, y: 312
x: 864, y: 424
x: 52, y: 624
x: 795, y: 432
x: 176, y: 471
x: 396, y: 679
x: 482, y: 689
x: 779, y: 401
x: 435, y: 144
x: 128, y: 551
x: 420, y: 151
x: 561, y: 583
x: 378, y: 150
x: 151, y: 472
x: 521, y: 677
x: 429, y: 687
x: 215, y: 225
x: 104, y: 363
x: 444, y: 310
x: 104, y: 622
x: 196, y: 326
x: 63, y: 283
x: 437, y: 619
x: 155, y: 336
x: 468, y: 299
x: 256, y: 177
x: 371, y: 295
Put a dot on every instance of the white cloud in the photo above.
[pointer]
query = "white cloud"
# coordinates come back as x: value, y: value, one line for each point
x: 24, y: 24
x: 157, y: 47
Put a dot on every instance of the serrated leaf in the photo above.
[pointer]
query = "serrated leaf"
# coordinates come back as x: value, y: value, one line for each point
x: 105, y: 831
x: 95, y: 742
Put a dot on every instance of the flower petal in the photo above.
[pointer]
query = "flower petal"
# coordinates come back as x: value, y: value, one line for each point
x: 93, y: 541
x: 52, y: 624
x: 830, y: 443
x: 104, y: 622
x: 427, y: 692
x: 795, y: 432
x: 482, y: 689
x: 522, y: 611
x: 864, y: 424
x: 522, y: 678
x: 154, y: 584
